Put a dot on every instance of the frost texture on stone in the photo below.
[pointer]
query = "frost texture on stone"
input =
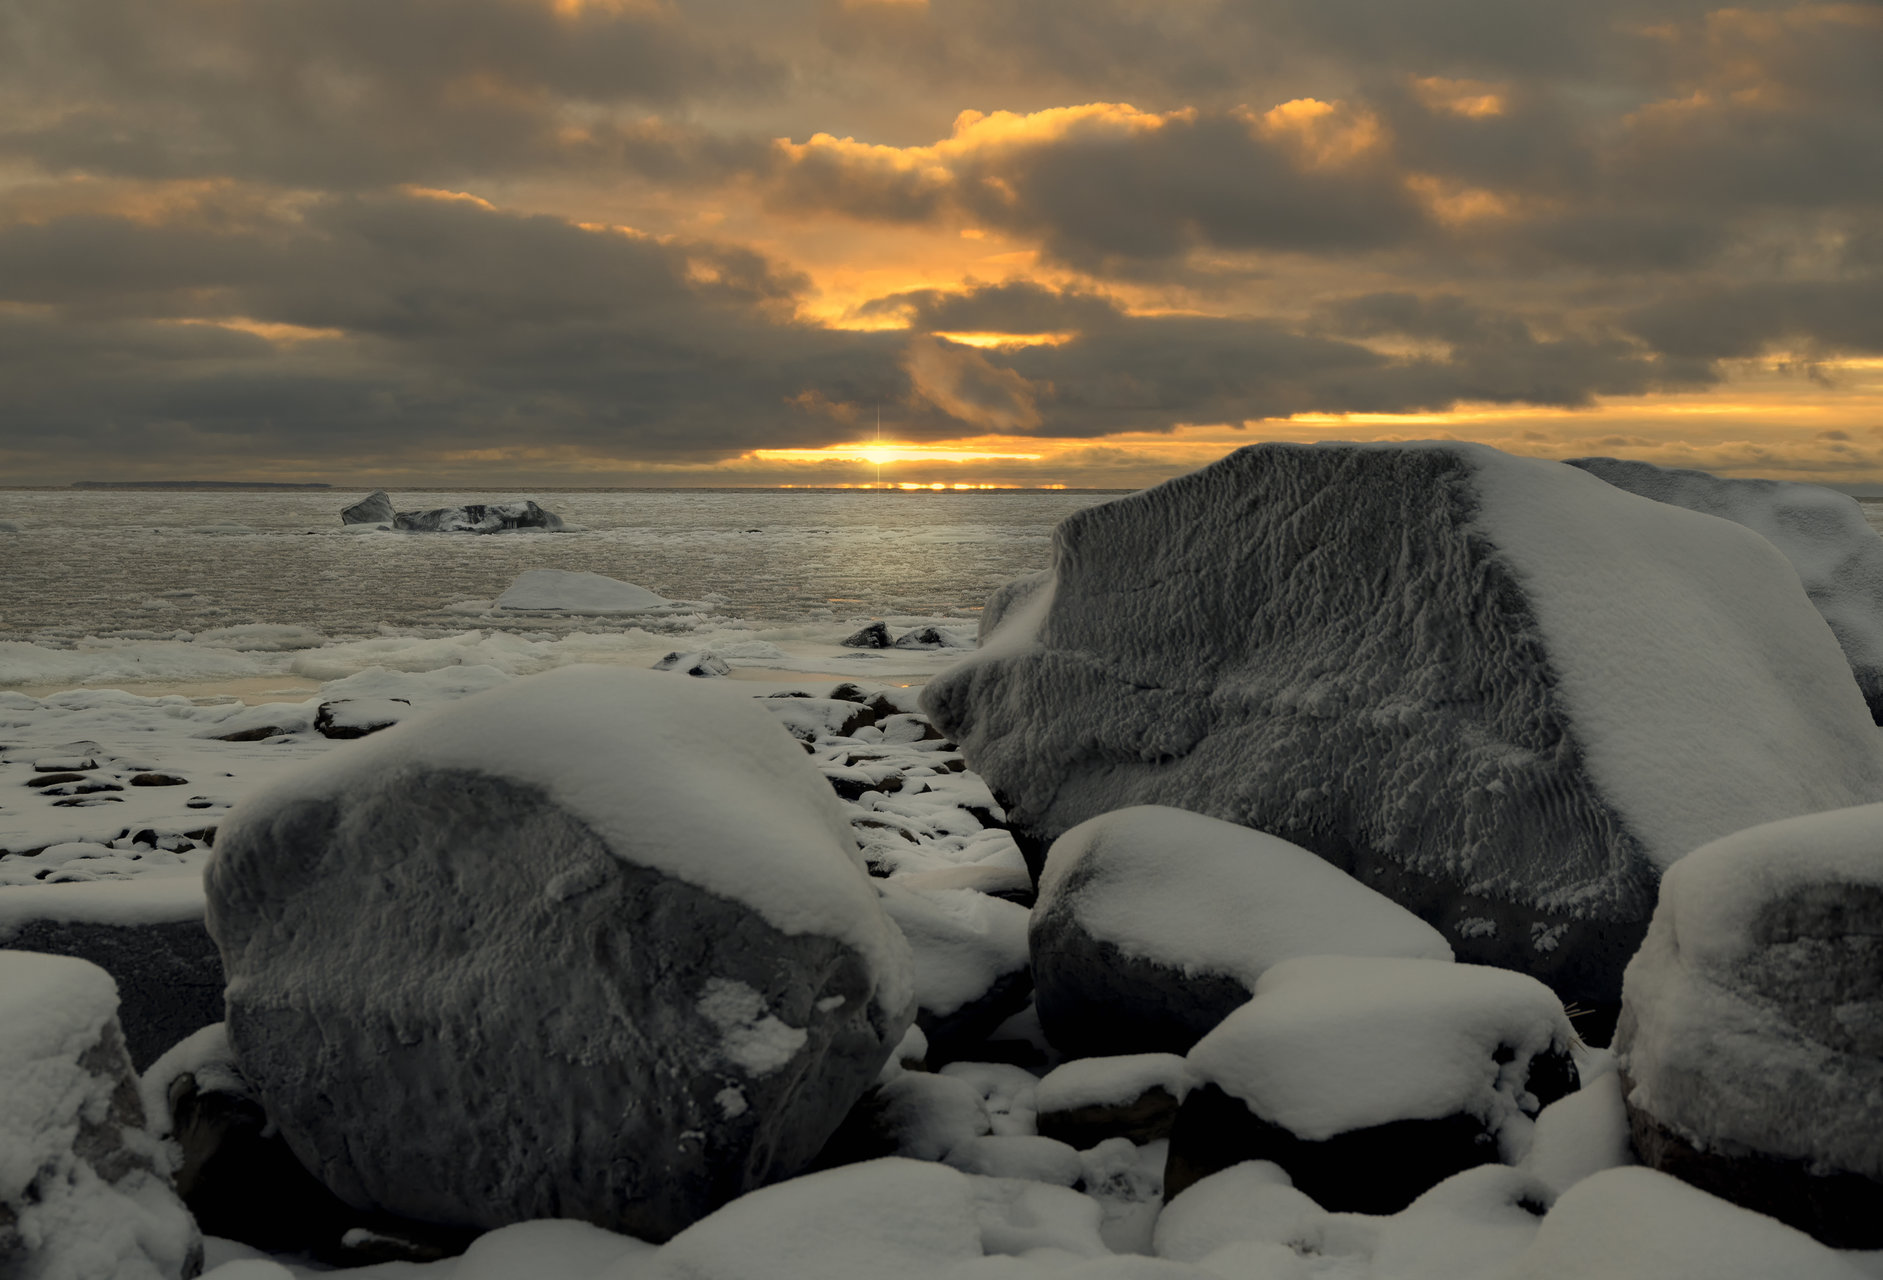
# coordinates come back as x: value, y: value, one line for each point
x: 84, y: 1186
x: 1752, y: 1019
x: 1838, y: 556
x: 1499, y: 690
x: 1153, y: 924
x: 485, y: 928
x: 375, y: 508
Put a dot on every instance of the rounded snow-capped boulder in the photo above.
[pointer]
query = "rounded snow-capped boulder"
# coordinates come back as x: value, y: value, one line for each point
x: 1838, y: 556
x: 970, y: 963
x: 1370, y: 1080
x: 596, y: 944
x: 1500, y: 691
x: 84, y: 1186
x: 1153, y: 925
x: 1751, y: 1034
x: 375, y: 508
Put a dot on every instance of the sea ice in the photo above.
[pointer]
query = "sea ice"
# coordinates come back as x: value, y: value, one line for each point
x: 563, y: 591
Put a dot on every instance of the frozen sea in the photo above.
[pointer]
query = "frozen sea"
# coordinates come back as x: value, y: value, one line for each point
x: 192, y: 589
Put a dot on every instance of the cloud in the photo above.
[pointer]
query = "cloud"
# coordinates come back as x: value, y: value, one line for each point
x: 970, y: 388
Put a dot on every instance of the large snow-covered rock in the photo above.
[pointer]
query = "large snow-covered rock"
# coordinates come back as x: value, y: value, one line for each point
x: 1499, y: 690
x: 564, y: 591
x: 970, y: 953
x: 374, y: 508
x: 495, y: 517
x: 1751, y: 1033
x: 1838, y: 556
x: 1153, y: 925
x: 1370, y: 1079
x: 84, y: 1186
x: 605, y: 929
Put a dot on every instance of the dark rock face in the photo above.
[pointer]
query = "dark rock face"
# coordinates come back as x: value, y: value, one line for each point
x: 478, y: 518
x: 1146, y: 1118
x: 358, y: 717
x: 874, y: 636
x: 169, y: 976
x: 1095, y: 999
x: 241, y: 1182
x: 1347, y: 647
x: 1380, y: 1169
x: 434, y: 1012
x: 375, y: 508
x: 1751, y: 1032
x: 1839, y: 557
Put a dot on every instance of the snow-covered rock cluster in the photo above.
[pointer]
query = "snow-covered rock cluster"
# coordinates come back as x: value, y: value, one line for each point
x: 1450, y: 672
x: 375, y: 510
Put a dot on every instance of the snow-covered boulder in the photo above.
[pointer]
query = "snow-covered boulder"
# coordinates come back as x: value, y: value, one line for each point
x: 1153, y: 925
x: 84, y: 1186
x: 932, y: 638
x: 147, y: 933
x: 970, y: 955
x: 1499, y: 690
x: 496, y: 517
x: 1838, y: 556
x: 703, y: 663
x: 1636, y: 1224
x: 594, y: 892
x: 1133, y: 1095
x: 1751, y: 1035
x: 565, y: 591
x: 374, y: 508
x: 1370, y: 1080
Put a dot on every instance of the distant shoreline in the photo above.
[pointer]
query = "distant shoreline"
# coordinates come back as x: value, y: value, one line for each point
x: 190, y: 484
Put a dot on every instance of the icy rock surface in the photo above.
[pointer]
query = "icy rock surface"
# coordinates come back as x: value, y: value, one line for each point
x: 484, y: 927
x: 970, y: 953
x: 564, y: 591
x: 478, y: 518
x: 1838, y: 556
x: 84, y: 1186
x: 374, y: 508
x: 1751, y: 1033
x: 1153, y: 924
x: 1443, y: 668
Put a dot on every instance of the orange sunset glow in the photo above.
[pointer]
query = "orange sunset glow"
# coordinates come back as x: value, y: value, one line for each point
x: 629, y: 243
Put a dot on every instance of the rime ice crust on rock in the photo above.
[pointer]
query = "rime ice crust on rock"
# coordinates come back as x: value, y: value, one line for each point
x: 479, y: 518
x: 375, y: 508
x: 84, y: 1187
x: 1442, y: 668
x: 1153, y: 925
x: 1751, y: 1035
x: 484, y: 928
x: 1838, y: 556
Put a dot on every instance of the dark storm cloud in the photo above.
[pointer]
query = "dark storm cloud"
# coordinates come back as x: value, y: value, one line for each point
x: 348, y: 93
x: 1018, y: 306
x: 1735, y: 322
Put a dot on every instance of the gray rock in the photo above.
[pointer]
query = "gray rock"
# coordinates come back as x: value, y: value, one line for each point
x: 84, y: 1187
x: 1839, y: 557
x: 1443, y: 669
x: 375, y: 508
x: 458, y: 935
x: 1751, y: 1033
x: 874, y: 636
x: 478, y: 518
x: 358, y: 717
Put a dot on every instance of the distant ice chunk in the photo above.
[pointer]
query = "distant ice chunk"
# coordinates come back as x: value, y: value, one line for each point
x: 1440, y: 665
x: 1838, y: 556
x: 564, y: 591
x: 495, y: 517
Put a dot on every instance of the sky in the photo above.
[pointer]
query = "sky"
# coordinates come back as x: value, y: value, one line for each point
x: 1093, y: 243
